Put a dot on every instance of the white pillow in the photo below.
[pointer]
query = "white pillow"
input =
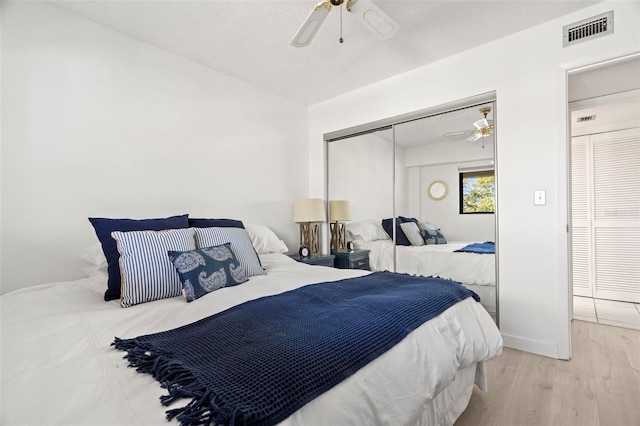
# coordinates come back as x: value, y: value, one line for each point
x: 146, y: 272
x: 95, y: 256
x: 366, y: 230
x: 427, y: 225
x: 412, y: 232
x: 264, y: 240
x: 240, y: 244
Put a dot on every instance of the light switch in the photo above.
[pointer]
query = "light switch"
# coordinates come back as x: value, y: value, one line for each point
x: 539, y: 197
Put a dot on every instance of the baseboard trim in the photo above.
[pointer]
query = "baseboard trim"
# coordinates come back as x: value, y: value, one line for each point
x: 538, y: 347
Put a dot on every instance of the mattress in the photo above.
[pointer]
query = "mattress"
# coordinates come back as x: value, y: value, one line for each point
x: 58, y: 366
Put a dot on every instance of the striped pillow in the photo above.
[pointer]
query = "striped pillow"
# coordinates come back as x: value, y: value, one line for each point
x: 146, y: 273
x: 240, y: 243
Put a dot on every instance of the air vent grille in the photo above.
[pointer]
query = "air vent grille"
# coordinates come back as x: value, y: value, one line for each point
x: 588, y: 29
x: 586, y: 118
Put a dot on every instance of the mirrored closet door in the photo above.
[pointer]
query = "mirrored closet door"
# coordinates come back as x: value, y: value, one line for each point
x: 420, y: 188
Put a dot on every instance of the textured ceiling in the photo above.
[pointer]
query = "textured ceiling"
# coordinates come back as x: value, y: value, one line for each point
x: 434, y: 129
x: 249, y: 40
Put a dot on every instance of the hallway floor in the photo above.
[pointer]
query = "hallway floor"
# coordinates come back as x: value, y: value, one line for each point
x: 608, y: 312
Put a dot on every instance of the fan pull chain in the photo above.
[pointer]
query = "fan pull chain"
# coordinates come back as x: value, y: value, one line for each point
x: 341, y: 39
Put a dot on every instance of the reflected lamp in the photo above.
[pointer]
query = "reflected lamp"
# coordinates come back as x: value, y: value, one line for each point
x: 339, y: 212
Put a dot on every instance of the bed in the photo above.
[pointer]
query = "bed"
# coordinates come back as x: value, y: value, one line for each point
x: 475, y: 271
x: 59, y: 368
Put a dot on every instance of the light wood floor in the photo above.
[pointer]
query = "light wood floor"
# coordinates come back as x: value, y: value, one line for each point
x: 599, y: 386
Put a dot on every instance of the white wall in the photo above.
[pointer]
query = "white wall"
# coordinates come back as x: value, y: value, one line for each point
x: 528, y: 72
x: 95, y: 123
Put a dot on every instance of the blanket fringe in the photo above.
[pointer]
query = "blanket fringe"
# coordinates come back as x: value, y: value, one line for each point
x: 204, y: 407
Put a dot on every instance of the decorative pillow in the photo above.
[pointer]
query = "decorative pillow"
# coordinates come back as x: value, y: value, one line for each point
x: 412, y: 232
x: 208, y: 269
x: 401, y: 239
x: 431, y: 234
x: 210, y: 223
x: 366, y: 230
x: 240, y: 243
x: 264, y: 240
x: 147, y: 272
x: 104, y: 227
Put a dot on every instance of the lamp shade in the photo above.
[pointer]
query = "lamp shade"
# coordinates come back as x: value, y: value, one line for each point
x: 309, y: 210
x: 339, y: 210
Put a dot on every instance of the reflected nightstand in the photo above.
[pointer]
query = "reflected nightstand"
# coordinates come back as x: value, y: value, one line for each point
x: 357, y: 259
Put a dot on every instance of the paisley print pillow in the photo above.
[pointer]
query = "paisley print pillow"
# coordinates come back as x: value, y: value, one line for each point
x: 207, y: 269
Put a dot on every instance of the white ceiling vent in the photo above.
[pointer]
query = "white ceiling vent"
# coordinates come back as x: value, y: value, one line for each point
x: 586, y: 118
x: 588, y: 29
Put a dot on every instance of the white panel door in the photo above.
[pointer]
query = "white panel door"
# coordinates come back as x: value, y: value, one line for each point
x: 616, y: 214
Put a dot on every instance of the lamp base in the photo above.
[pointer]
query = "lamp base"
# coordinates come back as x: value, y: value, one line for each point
x: 309, y: 237
x: 338, y: 236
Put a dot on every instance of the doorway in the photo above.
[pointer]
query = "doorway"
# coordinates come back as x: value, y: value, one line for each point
x: 604, y: 104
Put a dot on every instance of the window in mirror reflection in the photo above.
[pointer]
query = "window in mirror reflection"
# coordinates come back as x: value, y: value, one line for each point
x: 477, y: 192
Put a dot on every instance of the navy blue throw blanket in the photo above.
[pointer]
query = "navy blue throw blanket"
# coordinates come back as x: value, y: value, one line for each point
x: 258, y: 362
x: 487, y: 247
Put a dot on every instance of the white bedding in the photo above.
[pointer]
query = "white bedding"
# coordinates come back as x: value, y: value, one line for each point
x: 58, y: 366
x: 475, y: 271
x: 433, y: 259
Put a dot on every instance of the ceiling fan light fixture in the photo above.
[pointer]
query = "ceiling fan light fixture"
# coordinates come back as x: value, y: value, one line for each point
x: 365, y: 11
x: 481, y: 124
x: 483, y: 127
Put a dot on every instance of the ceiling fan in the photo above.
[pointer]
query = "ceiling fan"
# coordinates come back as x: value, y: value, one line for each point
x: 483, y: 127
x: 365, y: 11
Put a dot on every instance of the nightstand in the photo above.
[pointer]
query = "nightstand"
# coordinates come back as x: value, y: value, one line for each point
x: 316, y: 259
x: 357, y: 259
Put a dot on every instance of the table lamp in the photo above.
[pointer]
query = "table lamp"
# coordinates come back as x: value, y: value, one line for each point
x: 308, y: 213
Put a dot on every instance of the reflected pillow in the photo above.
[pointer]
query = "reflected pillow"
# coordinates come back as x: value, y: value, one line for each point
x: 412, y: 232
x: 208, y: 269
x: 366, y: 230
x: 401, y: 238
x: 431, y: 234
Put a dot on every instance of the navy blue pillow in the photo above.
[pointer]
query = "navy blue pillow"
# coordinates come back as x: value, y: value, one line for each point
x: 207, y: 269
x: 401, y: 238
x: 432, y: 236
x: 105, y: 226
x: 215, y: 223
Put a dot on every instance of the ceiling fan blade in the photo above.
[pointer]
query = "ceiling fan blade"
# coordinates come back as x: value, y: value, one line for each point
x: 481, y: 124
x: 311, y: 25
x: 373, y: 18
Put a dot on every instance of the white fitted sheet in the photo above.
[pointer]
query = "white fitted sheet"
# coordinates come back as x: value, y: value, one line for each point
x: 58, y: 367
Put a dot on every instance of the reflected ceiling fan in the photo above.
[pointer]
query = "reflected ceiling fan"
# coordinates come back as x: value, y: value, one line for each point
x: 483, y: 127
x: 365, y: 11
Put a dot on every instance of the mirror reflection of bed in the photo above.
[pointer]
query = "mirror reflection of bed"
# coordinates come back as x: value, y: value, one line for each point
x: 403, y: 184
